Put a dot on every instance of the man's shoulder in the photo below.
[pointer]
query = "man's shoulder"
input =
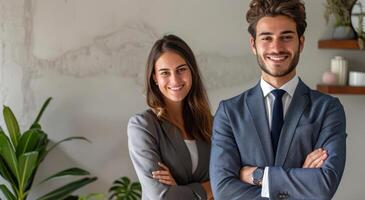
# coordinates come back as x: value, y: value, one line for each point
x: 240, y: 98
x: 320, y: 97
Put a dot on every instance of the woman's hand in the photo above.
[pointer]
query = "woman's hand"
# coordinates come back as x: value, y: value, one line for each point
x: 208, y: 189
x: 163, y: 175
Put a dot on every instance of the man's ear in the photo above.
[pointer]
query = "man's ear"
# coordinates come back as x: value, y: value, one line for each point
x: 301, y: 43
x: 252, y: 44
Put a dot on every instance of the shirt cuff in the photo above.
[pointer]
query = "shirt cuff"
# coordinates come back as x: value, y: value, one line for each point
x: 265, y: 184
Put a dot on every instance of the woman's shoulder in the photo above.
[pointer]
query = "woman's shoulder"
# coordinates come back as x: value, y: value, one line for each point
x: 144, y: 117
x: 145, y: 120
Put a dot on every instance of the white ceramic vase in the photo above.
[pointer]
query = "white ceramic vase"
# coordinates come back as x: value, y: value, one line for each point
x: 339, y: 66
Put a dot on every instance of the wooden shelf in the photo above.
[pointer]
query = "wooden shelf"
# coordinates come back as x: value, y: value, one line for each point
x: 338, y: 44
x: 341, y: 89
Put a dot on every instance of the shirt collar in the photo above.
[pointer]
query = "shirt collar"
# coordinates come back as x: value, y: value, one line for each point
x: 289, y: 86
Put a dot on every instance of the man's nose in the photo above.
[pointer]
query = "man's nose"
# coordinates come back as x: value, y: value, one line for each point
x: 277, y: 45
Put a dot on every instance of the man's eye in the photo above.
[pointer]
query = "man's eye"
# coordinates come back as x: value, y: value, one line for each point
x: 289, y: 37
x: 266, y: 38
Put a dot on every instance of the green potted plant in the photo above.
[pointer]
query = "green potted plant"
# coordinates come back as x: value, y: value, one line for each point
x: 124, y: 189
x: 359, y: 28
x: 22, y: 153
x: 340, y: 10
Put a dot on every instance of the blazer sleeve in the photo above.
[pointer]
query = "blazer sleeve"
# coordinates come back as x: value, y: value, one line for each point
x: 144, y: 153
x: 321, y: 183
x: 225, y: 163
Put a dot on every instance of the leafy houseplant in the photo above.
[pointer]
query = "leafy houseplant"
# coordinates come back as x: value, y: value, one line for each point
x: 340, y: 10
x: 22, y: 153
x: 124, y: 189
x: 92, y: 196
x: 360, y: 26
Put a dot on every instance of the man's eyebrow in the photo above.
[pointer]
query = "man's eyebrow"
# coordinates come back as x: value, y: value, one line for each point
x: 287, y: 32
x: 270, y: 33
x: 265, y: 33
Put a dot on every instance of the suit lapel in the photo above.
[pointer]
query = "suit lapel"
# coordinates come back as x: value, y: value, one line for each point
x: 295, y: 110
x: 256, y: 106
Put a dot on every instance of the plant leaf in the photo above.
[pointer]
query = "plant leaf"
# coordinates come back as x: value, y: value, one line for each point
x: 67, y: 172
x: 29, y: 141
x: 27, y: 164
x: 7, y: 193
x: 44, y: 106
x: 68, y: 139
x: 12, y: 125
x: 64, y: 191
x: 123, y: 188
x: 6, y: 173
x: 8, y: 154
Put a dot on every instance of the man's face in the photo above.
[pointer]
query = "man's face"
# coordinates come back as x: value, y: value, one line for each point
x: 277, y: 46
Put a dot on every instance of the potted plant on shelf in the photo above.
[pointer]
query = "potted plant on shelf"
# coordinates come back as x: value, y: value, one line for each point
x: 359, y: 28
x: 22, y: 153
x: 340, y: 10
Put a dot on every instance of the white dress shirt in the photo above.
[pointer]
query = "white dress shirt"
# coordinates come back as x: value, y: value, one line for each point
x: 269, y: 98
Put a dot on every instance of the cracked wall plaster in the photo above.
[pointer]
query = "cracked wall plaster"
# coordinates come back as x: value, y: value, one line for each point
x: 120, y: 53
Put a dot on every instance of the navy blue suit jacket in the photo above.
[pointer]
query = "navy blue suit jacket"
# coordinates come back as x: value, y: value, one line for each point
x: 241, y: 137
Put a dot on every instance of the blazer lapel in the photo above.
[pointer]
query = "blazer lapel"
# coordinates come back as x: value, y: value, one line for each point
x: 256, y: 106
x: 182, y: 152
x: 295, y: 110
x: 203, y: 158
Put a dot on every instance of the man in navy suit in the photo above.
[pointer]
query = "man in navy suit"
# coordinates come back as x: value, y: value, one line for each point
x: 279, y: 139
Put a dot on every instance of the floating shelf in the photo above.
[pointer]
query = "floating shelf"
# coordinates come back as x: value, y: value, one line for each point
x: 338, y: 44
x: 341, y: 89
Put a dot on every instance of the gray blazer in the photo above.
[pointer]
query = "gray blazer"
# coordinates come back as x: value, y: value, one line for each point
x: 241, y: 137
x: 150, y: 141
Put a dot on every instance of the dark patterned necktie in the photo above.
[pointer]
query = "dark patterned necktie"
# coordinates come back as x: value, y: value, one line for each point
x: 277, y: 118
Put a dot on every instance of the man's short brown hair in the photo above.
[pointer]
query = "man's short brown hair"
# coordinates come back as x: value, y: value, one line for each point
x: 293, y: 9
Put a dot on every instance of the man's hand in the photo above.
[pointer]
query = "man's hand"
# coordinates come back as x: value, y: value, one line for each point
x: 246, y: 174
x: 315, y: 159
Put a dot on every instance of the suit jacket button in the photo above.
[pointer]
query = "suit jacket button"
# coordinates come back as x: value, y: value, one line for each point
x: 283, y: 195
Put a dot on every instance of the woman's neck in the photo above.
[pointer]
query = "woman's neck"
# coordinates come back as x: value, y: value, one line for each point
x: 175, y: 113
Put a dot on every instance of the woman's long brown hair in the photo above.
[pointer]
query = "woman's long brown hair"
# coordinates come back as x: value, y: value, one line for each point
x: 196, y: 111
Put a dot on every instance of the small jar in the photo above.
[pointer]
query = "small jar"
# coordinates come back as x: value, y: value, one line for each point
x: 340, y: 68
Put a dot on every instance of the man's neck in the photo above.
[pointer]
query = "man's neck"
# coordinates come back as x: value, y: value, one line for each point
x: 277, y: 82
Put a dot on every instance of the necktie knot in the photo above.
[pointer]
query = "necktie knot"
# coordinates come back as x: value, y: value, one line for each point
x: 278, y: 93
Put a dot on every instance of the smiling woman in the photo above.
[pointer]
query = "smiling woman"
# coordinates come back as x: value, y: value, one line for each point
x: 169, y: 144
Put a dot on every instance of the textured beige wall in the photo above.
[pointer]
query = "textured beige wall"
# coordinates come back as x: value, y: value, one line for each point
x: 90, y: 55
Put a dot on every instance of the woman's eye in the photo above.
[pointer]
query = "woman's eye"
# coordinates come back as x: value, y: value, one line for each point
x: 182, y: 69
x: 164, y: 73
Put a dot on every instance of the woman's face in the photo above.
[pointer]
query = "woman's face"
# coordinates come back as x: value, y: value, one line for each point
x: 173, y: 77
